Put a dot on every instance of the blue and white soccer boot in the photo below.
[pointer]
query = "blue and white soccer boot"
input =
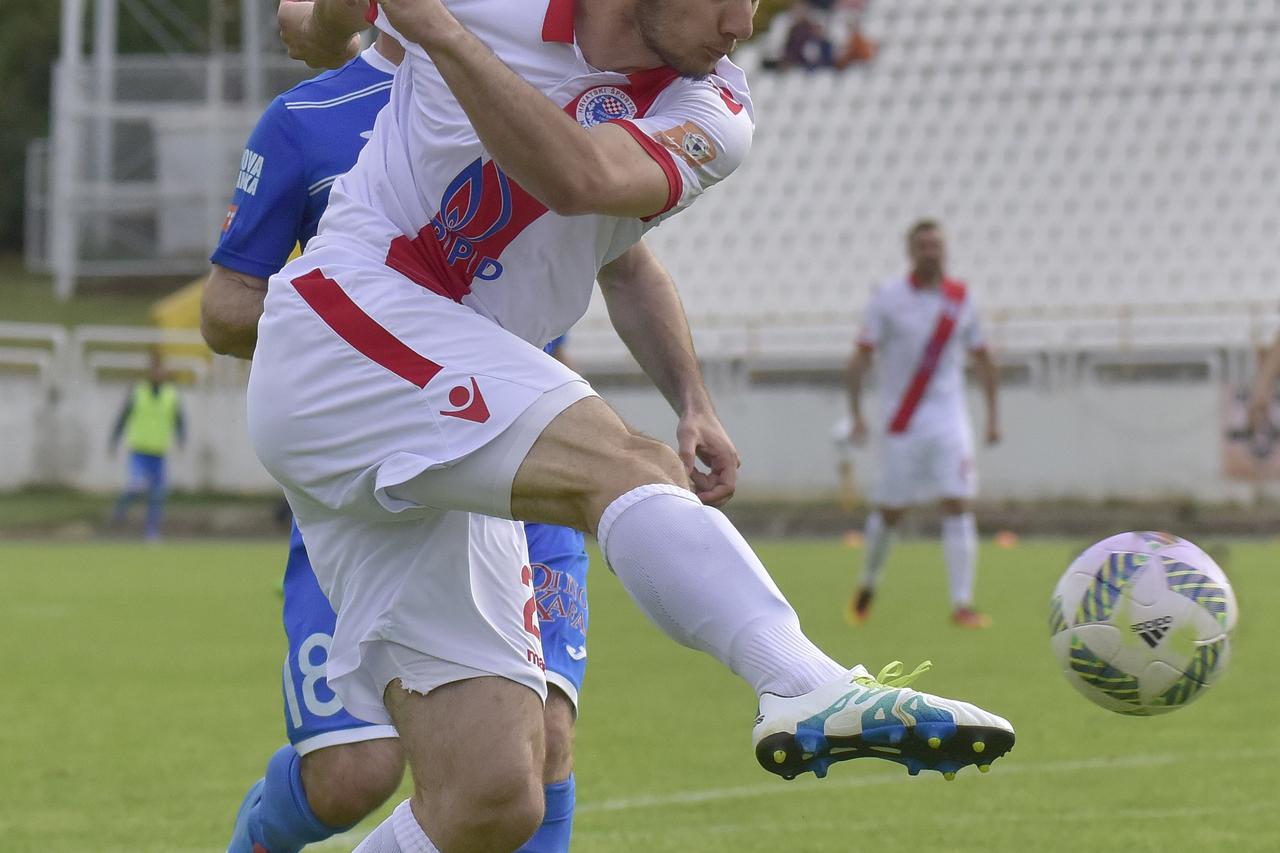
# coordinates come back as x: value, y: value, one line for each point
x: 857, y: 716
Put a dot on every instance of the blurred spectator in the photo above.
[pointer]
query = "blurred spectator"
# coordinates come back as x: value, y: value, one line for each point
x: 818, y: 34
x: 149, y: 421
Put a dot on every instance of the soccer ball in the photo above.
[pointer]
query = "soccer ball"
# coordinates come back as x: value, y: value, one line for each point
x: 1141, y: 623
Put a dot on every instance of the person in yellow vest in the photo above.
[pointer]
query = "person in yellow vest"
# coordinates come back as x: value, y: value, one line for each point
x: 149, y: 421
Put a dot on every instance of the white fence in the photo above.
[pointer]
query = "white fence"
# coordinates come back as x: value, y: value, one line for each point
x: 1136, y: 423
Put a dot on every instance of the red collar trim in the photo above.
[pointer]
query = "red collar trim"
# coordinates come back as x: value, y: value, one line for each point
x: 558, y: 24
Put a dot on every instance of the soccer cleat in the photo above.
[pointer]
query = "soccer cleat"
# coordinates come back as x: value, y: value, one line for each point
x: 967, y: 617
x: 240, y: 840
x: 857, y: 716
x: 858, y: 610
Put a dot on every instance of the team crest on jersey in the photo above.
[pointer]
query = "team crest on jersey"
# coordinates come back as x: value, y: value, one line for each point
x: 604, y: 104
x: 691, y: 142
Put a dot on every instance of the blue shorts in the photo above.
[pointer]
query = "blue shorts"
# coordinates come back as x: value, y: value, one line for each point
x: 314, y: 716
x: 559, y: 559
x: 146, y: 471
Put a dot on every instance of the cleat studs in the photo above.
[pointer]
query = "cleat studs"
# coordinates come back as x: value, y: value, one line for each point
x: 935, y: 742
x: 950, y: 775
x: 913, y: 768
x: 789, y: 778
x: 979, y: 746
x: 779, y: 756
x: 984, y: 768
x: 820, y: 768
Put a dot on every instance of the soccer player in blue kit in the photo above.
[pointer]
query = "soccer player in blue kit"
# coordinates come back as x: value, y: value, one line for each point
x: 337, y: 768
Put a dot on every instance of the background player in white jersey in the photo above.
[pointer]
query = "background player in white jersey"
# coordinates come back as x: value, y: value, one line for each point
x: 400, y: 396
x: 920, y: 328
x: 337, y: 768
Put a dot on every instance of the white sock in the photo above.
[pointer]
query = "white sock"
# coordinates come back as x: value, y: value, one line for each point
x: 399, y: 833
x: 877, y: 538
x: 698, y: 580
x: 960, y: 547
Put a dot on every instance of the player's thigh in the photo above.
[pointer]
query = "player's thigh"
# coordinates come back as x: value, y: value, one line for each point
x: 411, y: 386
x: 951, y: 472
x: 430, y: 600
x: 900, y: 468
x: 584, y: 459
x: 315, y: 717
x: 475, y: 747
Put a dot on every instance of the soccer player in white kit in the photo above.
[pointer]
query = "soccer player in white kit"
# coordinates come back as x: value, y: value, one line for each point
x: 400, y: 396
x: 920, y: 329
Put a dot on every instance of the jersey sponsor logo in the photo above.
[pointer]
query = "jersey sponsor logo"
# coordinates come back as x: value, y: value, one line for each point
x: 604, y: 104
x: 468, y: 403
x: 480, y: 190
x: 251, y: 163
x: 690, y: 142
x: 229, y: 218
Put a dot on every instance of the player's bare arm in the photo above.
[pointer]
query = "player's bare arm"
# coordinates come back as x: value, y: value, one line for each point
x: 1263, y: 383
x: 859, y: 364
x: 646, y: 311
x: 570, y: 169
x: 989, y: 378
x: 323, y: 33
x: 230, y: 306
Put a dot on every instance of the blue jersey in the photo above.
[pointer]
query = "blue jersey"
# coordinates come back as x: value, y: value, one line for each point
x: 307, y: 138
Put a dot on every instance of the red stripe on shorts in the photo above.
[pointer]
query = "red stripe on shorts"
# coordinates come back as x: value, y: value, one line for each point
x: 361, y: 331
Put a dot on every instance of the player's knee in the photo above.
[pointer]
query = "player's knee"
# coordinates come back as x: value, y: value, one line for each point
x: 345, y: 783
x: 642, y: 461
x: 493, y: 812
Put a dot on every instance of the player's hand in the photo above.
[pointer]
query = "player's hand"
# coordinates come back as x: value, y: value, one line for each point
x: 417, y: 20
x: 858, y: 432
x: 305, y: 41
x: 993, y: 433
x: 1259, y: 414
x: 702, y: 438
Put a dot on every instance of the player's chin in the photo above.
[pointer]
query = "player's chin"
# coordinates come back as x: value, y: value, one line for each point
x: 698, y: 64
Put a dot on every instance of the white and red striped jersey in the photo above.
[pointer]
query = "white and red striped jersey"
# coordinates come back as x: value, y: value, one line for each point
x: 426, y: 199
x: 921, y: 337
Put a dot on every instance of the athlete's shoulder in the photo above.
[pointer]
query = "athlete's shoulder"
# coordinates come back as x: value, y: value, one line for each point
x: 358, y: 78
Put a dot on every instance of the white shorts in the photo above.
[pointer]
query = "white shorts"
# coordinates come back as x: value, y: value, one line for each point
x: 396, y: 425
x: 916, y: 469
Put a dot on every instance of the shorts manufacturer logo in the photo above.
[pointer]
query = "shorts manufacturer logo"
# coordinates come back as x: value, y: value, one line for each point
x: 690, y: 142
x: 604, y: 104
x: 469, y: 403
x: 251, y: 163
x: 1153, y: 630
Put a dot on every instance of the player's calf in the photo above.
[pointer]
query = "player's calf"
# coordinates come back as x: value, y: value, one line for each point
x: 345, y: 783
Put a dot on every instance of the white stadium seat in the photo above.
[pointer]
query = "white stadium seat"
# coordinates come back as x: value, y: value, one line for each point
x: 1092, y: 162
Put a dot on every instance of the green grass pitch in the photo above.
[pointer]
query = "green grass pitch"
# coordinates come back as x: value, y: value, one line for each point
x: 140, y: 696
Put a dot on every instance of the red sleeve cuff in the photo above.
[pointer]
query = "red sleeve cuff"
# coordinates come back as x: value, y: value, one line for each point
x: 371, y: 14
x: 661, y: 156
